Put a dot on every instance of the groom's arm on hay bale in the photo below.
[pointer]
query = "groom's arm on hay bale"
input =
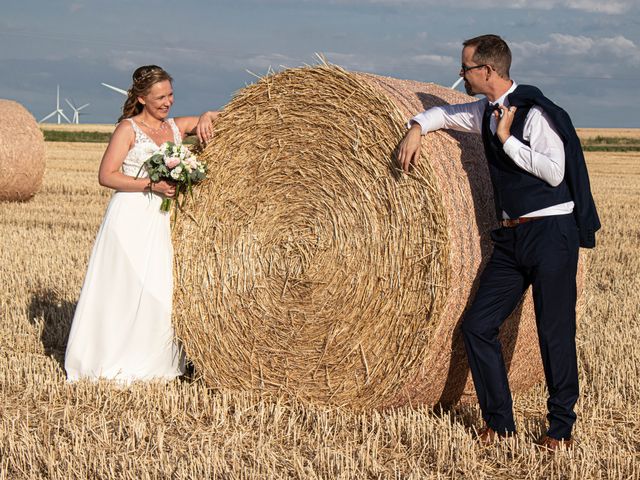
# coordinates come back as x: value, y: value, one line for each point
x: 466, y: 117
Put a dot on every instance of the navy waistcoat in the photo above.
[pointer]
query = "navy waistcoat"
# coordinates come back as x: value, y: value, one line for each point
x: 518, y: 192
x: 515, y: 190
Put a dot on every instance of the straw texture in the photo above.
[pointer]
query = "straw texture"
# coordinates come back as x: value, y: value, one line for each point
x: 22, y: 153
x: 309, y: 264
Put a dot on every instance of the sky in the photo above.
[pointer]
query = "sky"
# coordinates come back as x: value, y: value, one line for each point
x: 583, y: 54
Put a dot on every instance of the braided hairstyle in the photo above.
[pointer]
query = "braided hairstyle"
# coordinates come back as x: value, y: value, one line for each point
x: 144, y: 78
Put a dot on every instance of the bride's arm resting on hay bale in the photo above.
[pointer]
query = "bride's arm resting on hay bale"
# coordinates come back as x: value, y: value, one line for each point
x: 201, y: 126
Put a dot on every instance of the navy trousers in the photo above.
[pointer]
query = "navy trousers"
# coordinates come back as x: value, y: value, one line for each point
x: 542, y: 253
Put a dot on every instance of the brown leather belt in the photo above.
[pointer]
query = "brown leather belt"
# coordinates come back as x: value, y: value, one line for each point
x: 514, y: 222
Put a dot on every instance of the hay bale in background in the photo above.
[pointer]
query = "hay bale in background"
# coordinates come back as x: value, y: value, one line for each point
x: 313, y: 266
x: 22, y: 153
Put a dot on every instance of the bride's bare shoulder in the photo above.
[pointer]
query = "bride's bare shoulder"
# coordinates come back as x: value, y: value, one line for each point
x: 123, y: 133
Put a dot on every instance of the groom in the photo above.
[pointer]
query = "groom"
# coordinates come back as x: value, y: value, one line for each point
x: 546, y: 212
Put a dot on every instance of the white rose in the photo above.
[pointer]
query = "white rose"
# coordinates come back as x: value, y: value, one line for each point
x: 151, y: 150
x: 175, y: 173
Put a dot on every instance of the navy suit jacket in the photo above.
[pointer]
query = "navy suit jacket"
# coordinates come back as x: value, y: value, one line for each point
x: 575, y: 173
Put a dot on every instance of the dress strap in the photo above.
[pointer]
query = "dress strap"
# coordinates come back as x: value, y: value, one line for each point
x: 177, y: 138
x: 134, y: 125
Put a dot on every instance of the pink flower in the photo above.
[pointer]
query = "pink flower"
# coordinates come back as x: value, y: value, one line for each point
x: 172, y: 162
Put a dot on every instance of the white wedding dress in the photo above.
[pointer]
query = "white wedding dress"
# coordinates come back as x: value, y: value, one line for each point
x: 122, y: 328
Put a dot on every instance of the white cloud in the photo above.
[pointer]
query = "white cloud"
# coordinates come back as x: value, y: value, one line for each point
x: 611, y: 7
x: 385, y: 62
x: 618, y: 46
x: 362, y: 62
x: 126, y: 61
x: 597, y: 65
x: 265, y: 61
x: 438, y: 60
x: 595, y: 50
x: 351, y: 61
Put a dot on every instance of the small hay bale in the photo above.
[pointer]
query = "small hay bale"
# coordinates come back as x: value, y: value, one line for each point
x: 312, y: 265
x: 22, y: 153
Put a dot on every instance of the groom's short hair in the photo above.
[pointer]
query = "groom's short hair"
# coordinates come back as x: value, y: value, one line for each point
x: 491, y: 50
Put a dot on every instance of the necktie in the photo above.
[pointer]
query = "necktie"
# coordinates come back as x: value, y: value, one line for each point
x: 490, y: 109
x: 486, y: 118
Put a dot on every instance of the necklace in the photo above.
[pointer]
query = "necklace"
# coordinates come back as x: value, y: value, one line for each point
x: 155, y: 131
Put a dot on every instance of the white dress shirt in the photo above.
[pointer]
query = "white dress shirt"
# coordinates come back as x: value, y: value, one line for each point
x: 544, y: 158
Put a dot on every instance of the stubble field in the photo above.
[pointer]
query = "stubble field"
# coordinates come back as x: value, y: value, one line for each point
x: 49, y: 429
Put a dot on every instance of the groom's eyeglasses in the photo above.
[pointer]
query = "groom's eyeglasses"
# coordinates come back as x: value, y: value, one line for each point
x: 464, y: 69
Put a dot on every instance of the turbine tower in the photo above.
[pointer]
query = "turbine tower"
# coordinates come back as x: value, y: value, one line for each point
x: 58, y: 111
x: 76, y: 111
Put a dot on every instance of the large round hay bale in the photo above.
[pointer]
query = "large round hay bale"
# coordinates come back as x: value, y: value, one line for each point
x: 22, y: 154
x: 310, y: 264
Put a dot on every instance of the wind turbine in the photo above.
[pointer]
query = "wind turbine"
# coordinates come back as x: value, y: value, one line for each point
x: 116, y: 89
x: 57, y: 111
x: 76, y: 111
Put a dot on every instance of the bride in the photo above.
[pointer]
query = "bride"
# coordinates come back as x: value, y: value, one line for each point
x: 122, y: 328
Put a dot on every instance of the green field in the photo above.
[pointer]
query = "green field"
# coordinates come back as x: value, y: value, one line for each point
x: 75, y: 136
x: 602, y: 143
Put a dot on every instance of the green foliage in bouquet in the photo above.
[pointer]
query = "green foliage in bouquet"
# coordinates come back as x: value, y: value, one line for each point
x: 176, y: 164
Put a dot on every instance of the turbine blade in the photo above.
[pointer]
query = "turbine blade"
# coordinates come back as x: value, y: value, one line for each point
x: 457, y: 82
x: 83, y: 106
x: 116, y: 89
x: 69, y: 103
x: 49, y: 116
x: 64, y: 116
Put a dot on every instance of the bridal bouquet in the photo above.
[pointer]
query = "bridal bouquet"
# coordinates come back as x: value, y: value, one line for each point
x: 175, y: 164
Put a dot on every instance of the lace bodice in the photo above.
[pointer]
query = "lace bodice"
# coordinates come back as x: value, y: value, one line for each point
x: 143, y: 148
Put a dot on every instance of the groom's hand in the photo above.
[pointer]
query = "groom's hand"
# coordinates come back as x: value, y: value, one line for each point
x: 505, y: 120
x: 409, y: 151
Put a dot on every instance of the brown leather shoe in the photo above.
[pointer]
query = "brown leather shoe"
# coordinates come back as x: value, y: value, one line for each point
x: 488, y: 436
x: 553, y: 444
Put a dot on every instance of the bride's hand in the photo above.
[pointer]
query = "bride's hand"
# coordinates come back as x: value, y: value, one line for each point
x: 165, y: 188
x: 204, y: 128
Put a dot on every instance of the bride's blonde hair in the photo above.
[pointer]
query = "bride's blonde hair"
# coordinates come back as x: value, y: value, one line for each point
x: 144, y: 78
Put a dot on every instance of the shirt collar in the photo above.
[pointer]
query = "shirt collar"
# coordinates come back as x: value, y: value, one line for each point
x: 501, y: 100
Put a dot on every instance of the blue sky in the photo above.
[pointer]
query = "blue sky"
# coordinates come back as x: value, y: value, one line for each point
x: 583, y: 54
